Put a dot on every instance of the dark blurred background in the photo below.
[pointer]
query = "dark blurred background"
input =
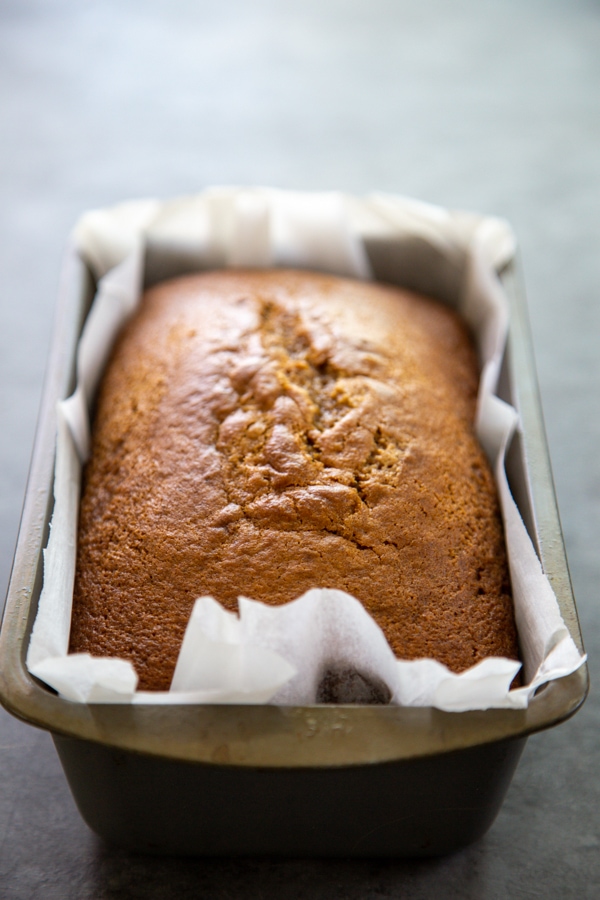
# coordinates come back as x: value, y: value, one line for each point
x: 479, y: 104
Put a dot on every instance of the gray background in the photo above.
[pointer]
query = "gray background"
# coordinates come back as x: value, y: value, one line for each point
x: 492, y: 106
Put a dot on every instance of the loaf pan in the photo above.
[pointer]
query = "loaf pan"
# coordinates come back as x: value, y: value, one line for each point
x: 361, y: 781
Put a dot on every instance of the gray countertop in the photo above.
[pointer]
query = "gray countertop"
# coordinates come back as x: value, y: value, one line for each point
x: 491, y: 106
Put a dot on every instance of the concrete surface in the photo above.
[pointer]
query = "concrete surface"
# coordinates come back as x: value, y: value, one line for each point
x: 493, y: 106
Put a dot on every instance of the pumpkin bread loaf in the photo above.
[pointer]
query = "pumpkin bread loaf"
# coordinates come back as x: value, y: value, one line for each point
x: 267, y: 432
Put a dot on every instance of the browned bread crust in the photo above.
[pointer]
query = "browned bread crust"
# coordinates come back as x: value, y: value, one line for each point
x: 266, y: 432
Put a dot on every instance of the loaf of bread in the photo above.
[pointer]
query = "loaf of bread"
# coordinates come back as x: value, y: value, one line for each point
x: 266, y: 432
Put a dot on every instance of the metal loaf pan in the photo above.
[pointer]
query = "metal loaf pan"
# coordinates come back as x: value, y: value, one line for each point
x: 301, y: 781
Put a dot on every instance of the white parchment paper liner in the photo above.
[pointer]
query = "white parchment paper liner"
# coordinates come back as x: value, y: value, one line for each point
x: 279, y: 654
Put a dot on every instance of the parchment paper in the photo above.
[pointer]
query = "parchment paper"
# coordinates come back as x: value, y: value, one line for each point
x: 280, y: 654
